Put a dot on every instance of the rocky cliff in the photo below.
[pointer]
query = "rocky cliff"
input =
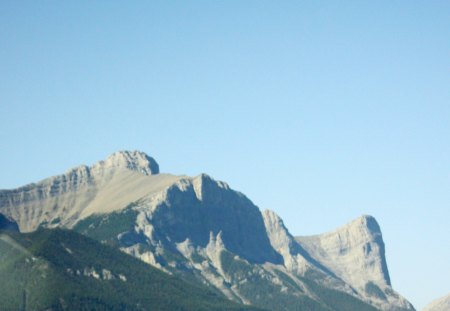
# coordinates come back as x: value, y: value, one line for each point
x: 355, y: 254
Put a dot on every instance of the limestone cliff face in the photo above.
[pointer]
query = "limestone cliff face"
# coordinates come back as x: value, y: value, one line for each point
x: 355, y: 253
x: 195, y: 208
x: 297, y: 259
x: 441, y: 304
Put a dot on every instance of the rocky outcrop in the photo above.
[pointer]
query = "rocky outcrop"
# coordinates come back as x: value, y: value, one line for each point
x: 441, y: 304
x: 132, y: 160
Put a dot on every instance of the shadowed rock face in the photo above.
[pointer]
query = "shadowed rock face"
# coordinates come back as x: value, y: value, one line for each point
x: 7, y: 224
x: 374, y: 228
x: 197, y: 207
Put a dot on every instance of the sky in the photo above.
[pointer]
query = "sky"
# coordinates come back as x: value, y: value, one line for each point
x: 318, y: 110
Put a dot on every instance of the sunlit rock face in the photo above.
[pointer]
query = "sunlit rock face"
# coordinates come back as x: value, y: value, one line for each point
x: 132, y: 160
x: 351, y: 250
x: 355, y: 253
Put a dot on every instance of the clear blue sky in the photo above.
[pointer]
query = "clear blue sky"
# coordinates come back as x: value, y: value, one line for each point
x: 319, y: 110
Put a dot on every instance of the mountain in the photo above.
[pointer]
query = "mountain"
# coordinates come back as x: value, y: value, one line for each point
x: 441, y: 304
x: 102, y: 188
x: 203, y: 231
x: 63, y: 270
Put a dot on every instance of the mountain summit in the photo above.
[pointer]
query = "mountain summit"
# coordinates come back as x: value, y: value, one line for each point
x: 132, y: 160
x: 354, y: 252
x: 203, y: 231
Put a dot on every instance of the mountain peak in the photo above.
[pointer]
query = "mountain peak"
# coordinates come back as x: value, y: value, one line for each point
x: 360, y: 242
x: 370, y: 222
x: 133, y: 160
x: 365, y: 223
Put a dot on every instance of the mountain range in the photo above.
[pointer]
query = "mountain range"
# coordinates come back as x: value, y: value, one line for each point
x: 202, y: 232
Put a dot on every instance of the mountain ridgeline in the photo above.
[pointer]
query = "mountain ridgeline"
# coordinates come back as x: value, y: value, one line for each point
x: 200, y: 230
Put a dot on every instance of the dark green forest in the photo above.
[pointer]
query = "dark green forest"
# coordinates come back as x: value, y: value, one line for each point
x: 63, y: 270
